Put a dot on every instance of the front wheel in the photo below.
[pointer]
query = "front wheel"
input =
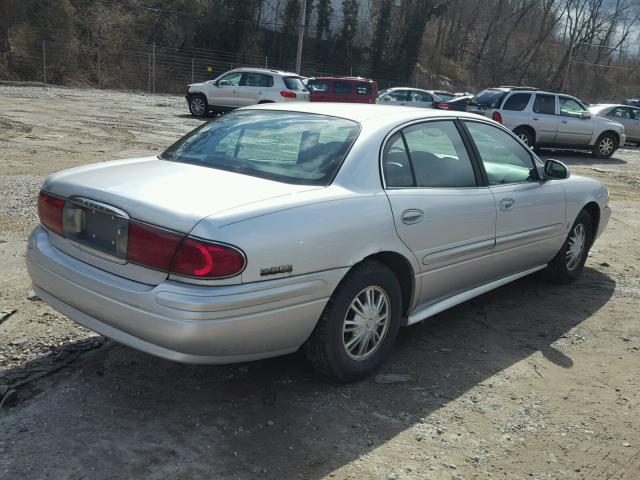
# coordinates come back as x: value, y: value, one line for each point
x: 569, y: 262
x: 359, y: 325
x: 198, y: 105
x: 606, y: 144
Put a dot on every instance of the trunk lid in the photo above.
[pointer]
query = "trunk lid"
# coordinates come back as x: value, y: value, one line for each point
x: 170, y: 195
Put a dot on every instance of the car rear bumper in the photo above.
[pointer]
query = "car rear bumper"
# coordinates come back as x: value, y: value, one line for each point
x: 181, y: 322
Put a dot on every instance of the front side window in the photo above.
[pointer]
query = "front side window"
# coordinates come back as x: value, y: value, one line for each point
x: 570, y: 107
x: 620, y: 112
x: 290, y: 147
x: 517, y: 102
x: 545, y: 104
x: 342, y: 88
x: 505, y: 160
x: 231, y: 79
x: 318, y: 86
x: 437, y: 154
x: 635, y: 113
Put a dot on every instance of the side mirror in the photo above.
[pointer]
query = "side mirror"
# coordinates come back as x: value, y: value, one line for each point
x: 585, y: 115
x: 553, y: 169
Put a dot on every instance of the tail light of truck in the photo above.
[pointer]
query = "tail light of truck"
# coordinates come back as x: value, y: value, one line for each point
x: 496, y: 117
x: 288, y: 94
x: 50, y: 212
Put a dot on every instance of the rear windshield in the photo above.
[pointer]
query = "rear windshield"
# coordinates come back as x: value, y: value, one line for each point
x: 444, y: 95
x: 488, y: 98
x: 294, y: 83
x: 290, y: 147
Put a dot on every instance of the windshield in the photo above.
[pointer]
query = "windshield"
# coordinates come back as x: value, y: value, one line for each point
x: 294, y: 83
x: 488, y: 98
x: 290, y: 147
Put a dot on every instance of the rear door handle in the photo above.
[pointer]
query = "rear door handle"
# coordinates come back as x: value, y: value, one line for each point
x: 411, y: 216
x: 507, y: 204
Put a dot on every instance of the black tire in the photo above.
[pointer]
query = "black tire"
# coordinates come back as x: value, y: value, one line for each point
x: 198, y: 105
x: 526, y: 135
x: 560, y: 269
x: 605, y: 146
x: 326, y: 347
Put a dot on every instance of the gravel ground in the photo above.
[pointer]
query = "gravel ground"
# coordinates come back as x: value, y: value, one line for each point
x: 528, y: 381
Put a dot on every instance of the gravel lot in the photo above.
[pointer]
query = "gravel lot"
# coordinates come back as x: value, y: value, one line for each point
x: 528, y: 381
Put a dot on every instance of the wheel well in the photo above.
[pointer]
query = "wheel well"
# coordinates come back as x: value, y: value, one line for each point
x: 611, y: 132
x: 527, y: 128
x: 403, y: 272
x: 593, y: 209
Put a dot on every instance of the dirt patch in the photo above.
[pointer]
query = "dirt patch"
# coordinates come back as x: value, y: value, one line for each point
x: 529, y: 381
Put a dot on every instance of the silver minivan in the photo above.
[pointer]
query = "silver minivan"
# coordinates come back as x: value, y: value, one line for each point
x: 549, y: 120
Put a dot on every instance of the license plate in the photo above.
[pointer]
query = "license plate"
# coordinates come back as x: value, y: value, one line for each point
x: 96, y: 225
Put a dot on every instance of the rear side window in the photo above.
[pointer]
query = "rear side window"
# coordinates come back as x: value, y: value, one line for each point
x: 517, y: 102
x: 251, y: 79
x: 363, y: 89
x: 437, y: 154
x: 504, y: 159
x: 342, y: 87
x: 620, y: 112
x: 545, y: 104
x: 397, y: 95
x: 294, y: 83
x: 396, y: 164
x: 318, y: 86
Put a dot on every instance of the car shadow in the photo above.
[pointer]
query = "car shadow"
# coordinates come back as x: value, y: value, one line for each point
x: 193, y: 117
x: 580, y: 158
x: 277, y: 418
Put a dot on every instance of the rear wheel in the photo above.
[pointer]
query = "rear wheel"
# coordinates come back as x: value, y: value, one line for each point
x: 606, y: 144
x: 526, y: 135
x: 198, y: 105
x: 359, y: 325
x: 569, y: 262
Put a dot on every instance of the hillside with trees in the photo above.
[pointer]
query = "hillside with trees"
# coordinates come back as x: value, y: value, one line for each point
x: 590, y: 48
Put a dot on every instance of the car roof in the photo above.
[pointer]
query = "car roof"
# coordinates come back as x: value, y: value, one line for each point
x: 405, y: 88
x: 602, y: 106
x: 359, y: 79
x: 360, y: 112
x: 264, y: 70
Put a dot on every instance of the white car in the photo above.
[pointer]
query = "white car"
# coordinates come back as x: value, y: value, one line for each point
x: 408, y: 97
x: 325, y: 226
x: 242, y: 87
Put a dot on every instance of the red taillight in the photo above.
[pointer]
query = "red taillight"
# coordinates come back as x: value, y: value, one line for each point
x: 197, y: 258
x: 50, y: 212
x: 151, y: 246
x: 496, y: 117
x: 288, y: 94
x: 442, y: 106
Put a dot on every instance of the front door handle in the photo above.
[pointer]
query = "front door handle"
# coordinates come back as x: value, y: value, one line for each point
x: 411, y: 216
x: 507, y: 204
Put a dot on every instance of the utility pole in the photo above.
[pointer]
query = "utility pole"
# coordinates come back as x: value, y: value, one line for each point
x: 44, y: 62
x: 301, y: 37
x: 154, y: 68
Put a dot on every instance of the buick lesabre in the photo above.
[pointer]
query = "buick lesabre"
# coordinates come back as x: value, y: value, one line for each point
x: 325, y: 227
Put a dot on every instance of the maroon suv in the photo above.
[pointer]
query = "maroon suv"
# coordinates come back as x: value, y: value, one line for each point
x: 342, y: 89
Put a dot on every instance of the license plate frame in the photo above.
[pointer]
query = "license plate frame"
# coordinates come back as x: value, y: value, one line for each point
x: 98, y: 226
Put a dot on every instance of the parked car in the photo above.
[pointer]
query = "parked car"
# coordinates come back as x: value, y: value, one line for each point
x: 343, y: 89
x: 634, y: 102
x: 628, y: 116
x: 411, y: 97
x: 321, y: 226
x: 458, y: 104
x: 549, y: 120
x: 242, y: 87
x: 442, y: 94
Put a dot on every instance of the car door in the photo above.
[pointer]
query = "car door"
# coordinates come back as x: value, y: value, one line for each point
x: 573, y: 128
x: 421, y: 99
x: 440, y: 211
x: 224, y: 91
x: 342, y: 91
x: 252, y: 88
x: 543, y: 118
x: 530, y: 225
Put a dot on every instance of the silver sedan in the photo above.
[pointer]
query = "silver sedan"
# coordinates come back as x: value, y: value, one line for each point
x: 321, y: 226
x: 627, y: 115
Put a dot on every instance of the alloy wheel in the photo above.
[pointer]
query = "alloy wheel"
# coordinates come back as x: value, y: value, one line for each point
x: 575, y: 249
x: 606, y: 146
x: 197, y: 106
x: 366, y: 323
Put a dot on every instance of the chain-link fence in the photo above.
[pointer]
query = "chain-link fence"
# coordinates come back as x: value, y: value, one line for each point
x: 146, y: 68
